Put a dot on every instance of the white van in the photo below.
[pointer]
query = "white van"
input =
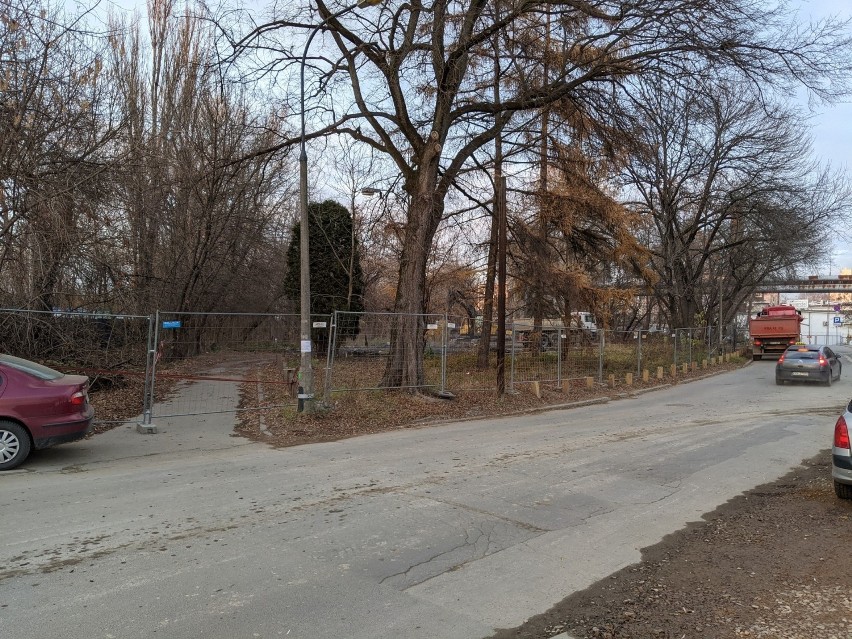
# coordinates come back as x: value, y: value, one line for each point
x: 584, y: 320
x: 523, y: 326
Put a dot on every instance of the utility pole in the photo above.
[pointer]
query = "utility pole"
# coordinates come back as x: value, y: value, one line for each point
x: 500, y: 220
x: 501, y: 285
x: 720, y: 315
x: 306, y: 371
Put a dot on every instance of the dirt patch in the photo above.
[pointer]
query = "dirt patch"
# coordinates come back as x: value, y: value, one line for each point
x: 770, y: 563
x: 372, y: 411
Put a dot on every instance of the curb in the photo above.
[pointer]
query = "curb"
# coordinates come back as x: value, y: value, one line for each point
x: 568, y: 405
x: 526, y: 411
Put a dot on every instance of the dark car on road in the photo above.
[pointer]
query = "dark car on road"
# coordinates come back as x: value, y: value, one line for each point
x: 808, y: 363
x: 39, y: 408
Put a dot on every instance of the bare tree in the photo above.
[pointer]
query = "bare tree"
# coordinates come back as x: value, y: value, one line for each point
x: 208, y: 232
x: 726, y: 182
x: 56, y: 149
x: 419, y: 87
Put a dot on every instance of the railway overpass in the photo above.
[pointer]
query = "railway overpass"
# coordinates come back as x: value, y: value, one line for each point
x: 842, y: 284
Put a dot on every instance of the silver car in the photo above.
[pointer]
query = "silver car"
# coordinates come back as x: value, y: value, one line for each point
x: 808, y: 363
x: 841, y: 456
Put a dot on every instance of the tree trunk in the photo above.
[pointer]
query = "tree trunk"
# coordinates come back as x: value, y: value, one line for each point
x: 404, y: 368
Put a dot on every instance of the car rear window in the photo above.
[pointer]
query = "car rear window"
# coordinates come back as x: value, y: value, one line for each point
x: 803, y: 354
x: 31, y: 368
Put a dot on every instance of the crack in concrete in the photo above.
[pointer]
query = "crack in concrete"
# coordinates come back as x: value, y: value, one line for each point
x: 515, y: 522
x: 405, y: 573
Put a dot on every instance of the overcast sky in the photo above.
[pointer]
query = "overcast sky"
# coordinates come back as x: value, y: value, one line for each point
x: 832, y: 132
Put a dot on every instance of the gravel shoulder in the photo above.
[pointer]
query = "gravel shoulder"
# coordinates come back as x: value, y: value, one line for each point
x: 773, y: 562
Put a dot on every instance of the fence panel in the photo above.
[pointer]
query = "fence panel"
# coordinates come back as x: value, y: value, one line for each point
x: 658, y: 349
x: 463, y: 370
x: 111, y: 349
x: 553, y: 355
x: 581, y: 354
x: 225, y: 362
x: 361, y: 344
x: 621, y: 353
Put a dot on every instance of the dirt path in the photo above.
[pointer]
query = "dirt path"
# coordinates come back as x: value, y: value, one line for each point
x: 774, y: 562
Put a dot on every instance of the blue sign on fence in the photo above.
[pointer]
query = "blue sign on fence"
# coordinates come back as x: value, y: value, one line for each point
x: 836, y: 319
x: 172, y: 324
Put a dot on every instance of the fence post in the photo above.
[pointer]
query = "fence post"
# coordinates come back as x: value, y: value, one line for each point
x: 676, y: 336
x: 690, y: 345
x: 147, y: 426
x: 444, y: 344
x: 559, y: 356
x: 639, y: 354
x: 329, y: 359
x: 150, y: 353
x: 601, y: 347
x: 512, y: 358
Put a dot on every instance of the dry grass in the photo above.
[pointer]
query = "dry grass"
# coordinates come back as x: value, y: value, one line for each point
x: 353, y: 413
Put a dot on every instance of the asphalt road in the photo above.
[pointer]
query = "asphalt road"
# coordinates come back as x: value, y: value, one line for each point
x: 441, y: 532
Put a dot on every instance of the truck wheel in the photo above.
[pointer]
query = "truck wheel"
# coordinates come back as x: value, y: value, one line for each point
x: 756, y: 358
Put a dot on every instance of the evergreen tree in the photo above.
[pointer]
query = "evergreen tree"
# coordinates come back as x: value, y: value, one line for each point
x: 337, y: 281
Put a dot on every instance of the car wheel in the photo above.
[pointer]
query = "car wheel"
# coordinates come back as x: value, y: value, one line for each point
x: 14, y: 445
x: 828, y: 381
x: 844, y: 491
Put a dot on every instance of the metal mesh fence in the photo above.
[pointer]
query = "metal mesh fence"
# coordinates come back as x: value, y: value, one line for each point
x: 88, y: 341
x: 361, y: 344
x: 567, y: 354
x: 552, y: 355
x: 112, y: 350
x: 464, y: 372
x: 200, y: 363
x: 621, y: 353
x: 225, y: 362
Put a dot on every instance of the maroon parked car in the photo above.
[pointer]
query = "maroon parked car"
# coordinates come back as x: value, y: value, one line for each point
x: 39, y: 408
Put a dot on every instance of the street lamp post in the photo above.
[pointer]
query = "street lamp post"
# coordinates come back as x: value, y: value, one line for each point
x: 306, y: 372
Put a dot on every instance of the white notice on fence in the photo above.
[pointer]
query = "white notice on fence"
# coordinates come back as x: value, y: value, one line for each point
x: 431, y: 327
x: 320, y: 324
x: 306, y: 346
x: 450, y: 325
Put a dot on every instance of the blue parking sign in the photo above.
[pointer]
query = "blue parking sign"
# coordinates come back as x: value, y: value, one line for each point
x: 837, y: 319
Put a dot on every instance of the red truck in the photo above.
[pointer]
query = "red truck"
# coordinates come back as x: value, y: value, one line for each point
x: 773, y: 329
